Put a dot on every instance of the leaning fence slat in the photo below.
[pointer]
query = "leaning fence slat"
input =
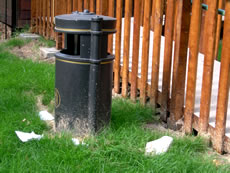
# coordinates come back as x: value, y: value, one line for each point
x: 169, y: 30
x: 98, y: 6
x: 136, y: 45
x: 156, y: 51
x: 145, y: 52
x: 218, y: 30
x: 194, y: 41
x: 180, y: 60
x: 118, y: 47
x: 210, y: 27
x: 153, y: 14
x: 110, y: 38
x: 223, y: 94
x: 69, y: 6
x: 128, y: 14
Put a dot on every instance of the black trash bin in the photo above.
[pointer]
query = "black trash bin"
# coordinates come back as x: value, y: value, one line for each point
x: 83, y: 85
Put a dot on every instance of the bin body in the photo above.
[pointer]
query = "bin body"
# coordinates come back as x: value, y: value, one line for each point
x: 83, y: 83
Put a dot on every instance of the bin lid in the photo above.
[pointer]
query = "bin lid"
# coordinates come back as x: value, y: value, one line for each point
x: 80, y: 22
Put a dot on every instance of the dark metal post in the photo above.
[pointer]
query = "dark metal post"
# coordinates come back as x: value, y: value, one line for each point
x: 95, y: 55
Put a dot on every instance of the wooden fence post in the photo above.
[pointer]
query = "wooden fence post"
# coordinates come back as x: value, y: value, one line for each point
x: 210, y: 35
x: 145, y: 52
x: 223, y: 94
x: 33, y: 15
x: 118, y: 47
x: 126, y: 54
x: 159, y: 4
x: 44, y: 18
x: 111, y: 14
x: 169, y: 30
x: 180, y: 60
x: 40, y: 17
x: 194, y: 40
x: 136, y: 46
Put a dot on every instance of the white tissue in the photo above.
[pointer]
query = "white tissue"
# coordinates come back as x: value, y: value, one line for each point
x: 25, y: 137
x: 45, y: 116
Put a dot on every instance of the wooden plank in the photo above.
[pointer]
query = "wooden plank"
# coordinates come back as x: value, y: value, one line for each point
x: 86, y: 4
x: 136, y: 41
x: 92, y: 5
x: 156, y: 51
x: 145, y: 52
x: 33, y: 15
x: 153, y: 15
x: 37, y: 15
x: 75, y: 5
x: 105, y: 7
x: 194, y: 40
x: 210, y: 27
x: 99, y: 6
x: 223, y: 93
x: 218, y: 30
x: 169, y: 30
x: 48, y: 18
x: 118, y: 47
x: 180, y: 60
x: 44, y: 17
x: 69, y: 6
x: 110, y: 38
x: 40, y: 17
x: 80, y: 5
x: 128, y: 14
x: 52, y: 19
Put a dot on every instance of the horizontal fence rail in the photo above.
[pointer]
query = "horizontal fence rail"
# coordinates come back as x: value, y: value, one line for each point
x: 165, y: 55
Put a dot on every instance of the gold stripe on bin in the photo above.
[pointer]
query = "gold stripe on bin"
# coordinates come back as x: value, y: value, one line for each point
x: 81, y: 30
x: 83, y: 63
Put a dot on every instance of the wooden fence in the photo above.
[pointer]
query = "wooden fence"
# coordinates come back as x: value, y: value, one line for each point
x: 181, y: 24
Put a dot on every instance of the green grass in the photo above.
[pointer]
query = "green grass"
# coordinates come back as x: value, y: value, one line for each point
x: 117, y: 148
x: 219, y: 50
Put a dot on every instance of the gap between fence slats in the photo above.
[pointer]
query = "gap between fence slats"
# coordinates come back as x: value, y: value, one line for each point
x: 223, y: 93
x: 156, y: 51
x: 210, y: 35
x: 118, y: 47
x: 145, y: 52
x: 136, y: 46
x: 126, y: 52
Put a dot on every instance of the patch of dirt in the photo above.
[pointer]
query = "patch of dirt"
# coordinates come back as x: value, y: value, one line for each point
x: 31, y: 51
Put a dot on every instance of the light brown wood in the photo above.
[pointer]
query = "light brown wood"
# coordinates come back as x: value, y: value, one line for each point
x: 99, y: 6
x: 180, y: 59
x: 210, y: 27
x: 118, y: 47
x: 218, y: 29
x: 52, y: 18
x: 128, y: 14
x: 153, y: 14
x: 86, y: 4
x: 194, y: 41
x: 80, y: 5
x: 92, y: 5
x: 156, y: 51
x: 40, y: 17
x: 136, y: 45
x: 110, y: 38
x: 75, y: 3
x: 223, y: 93
x: 169, y: 30
x: 145, y: 52
x: 69, y: 6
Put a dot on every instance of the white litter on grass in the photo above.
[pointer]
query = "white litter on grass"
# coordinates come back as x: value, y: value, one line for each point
x: 158, y: 146
x: 46, y: 116
x: 77, y: 142
x: 25, y: 137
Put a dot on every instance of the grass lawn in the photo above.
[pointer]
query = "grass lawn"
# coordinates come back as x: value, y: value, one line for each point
x: 118, y: 148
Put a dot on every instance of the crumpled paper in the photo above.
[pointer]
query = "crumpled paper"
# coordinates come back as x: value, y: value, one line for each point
x: 45, y: 116
x: 25, y: 137
x: 77, y: 142
x: 158, y: 146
